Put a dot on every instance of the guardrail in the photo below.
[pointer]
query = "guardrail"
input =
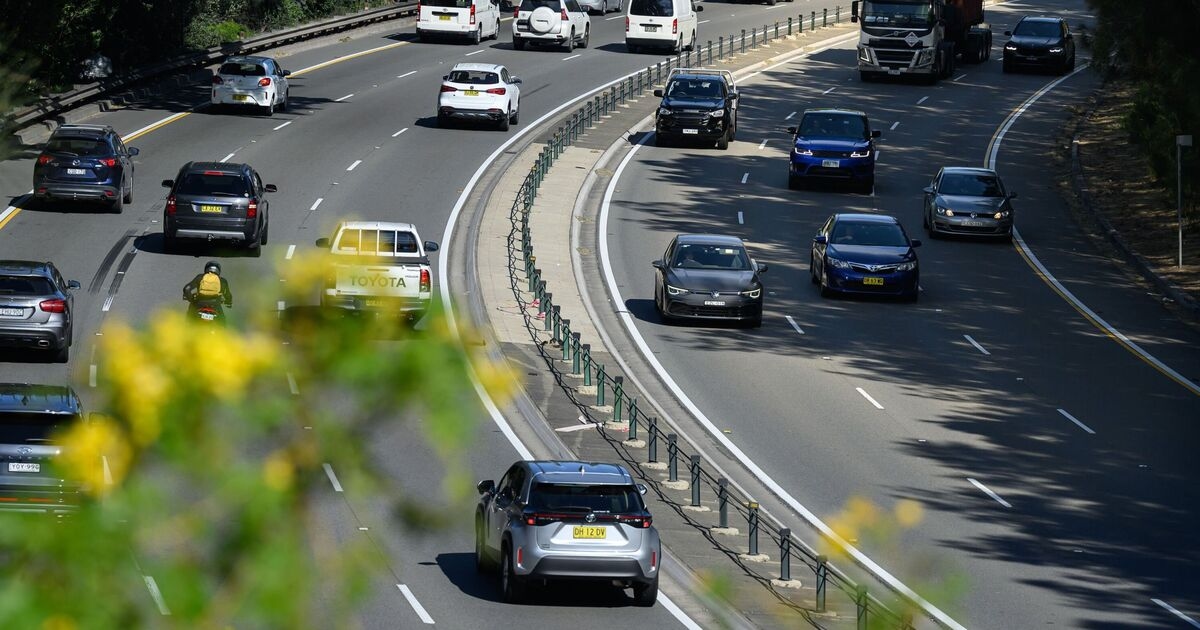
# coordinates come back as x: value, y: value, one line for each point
x: 532, y: 293
x: 49, y: 106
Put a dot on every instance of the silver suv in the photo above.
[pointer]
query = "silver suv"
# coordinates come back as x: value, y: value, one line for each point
x: 35, y: 307
x: 551, y: 520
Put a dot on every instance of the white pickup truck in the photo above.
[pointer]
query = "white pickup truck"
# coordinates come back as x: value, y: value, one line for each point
x: 378, y: 266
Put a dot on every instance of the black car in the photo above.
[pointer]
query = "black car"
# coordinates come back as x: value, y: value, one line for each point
x: 708, y: 276
x: 216, y: 201
x: 697, y: 106
x: 1040, y: 42
x: 30, y: 416
x: 85, y: 163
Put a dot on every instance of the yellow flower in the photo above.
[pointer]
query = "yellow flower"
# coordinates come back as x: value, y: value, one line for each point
x: 278, y: 471
x: 96, y: 453
x: 909, y: 513
x: 497, y: 378
x: 139, y: 384
x: 59, y: 622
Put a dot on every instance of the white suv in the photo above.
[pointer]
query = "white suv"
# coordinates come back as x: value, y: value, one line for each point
x: 561, y: 22
x: 479, y: 91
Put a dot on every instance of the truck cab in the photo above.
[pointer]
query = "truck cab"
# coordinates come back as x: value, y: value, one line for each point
x: 699, y: 104
x: 378, y: 266
x: 922, y: 38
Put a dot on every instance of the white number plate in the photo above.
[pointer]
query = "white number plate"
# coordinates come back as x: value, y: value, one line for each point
x: 651, y: 28
x: 24, y: 467
x: 77, y: 171
x: 12, y: 312
x: 208, y: 317
x: 831, y: 163
x: 973, y: 223
x: 691, y: 131
x: 714, y: 302
x: 893, y: 72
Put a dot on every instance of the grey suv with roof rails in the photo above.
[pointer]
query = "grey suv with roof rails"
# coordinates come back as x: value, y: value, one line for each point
x: 217, y: 201
x: 30, y: 416
x: 36, y: 307
x: 567, y: 520
x: 85, y: 163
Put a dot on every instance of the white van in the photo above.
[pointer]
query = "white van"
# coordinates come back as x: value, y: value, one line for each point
x: 472, y: 19
x: 661, y: 24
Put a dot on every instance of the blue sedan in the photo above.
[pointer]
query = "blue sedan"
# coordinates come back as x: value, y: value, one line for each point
x: 865, y: 254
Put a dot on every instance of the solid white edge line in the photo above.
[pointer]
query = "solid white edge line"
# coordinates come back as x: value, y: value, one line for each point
x: 339, y: 100
x: 859, y: 557
x: 762, y: 145
x: 989, y: 162
x: 337, y: 486
x: 988, y: 491
x: 295, y: 389
x: 868, y: 397
x: 677, y: 612
x: 412, y: 599
x: 795, y: 326
x: 978, y: 347
x: 282, y: 126
x: 1171, y: 609
x: 1077, y: 421
x: 291, y: 251
x: 316, y: 203
x: 226, y: 158
x: 570, y: 58
x: 354, y: 165
x: 156, y: 595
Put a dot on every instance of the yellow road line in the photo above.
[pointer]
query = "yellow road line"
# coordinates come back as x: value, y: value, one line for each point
x: 325, y: 64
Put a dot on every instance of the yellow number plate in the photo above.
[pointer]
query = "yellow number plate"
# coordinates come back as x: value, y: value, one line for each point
x: 584, y: 531
x: 471, y: 92
x: 444, y: 18
x: 873, y: 281
x: 241, y: 97
x: 217, y: 209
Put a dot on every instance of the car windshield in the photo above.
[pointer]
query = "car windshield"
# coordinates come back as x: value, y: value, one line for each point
x: 695, y: 88
x: 530, y: 5
x: 82, y: 147
x: 652, y: 8
x: 382, y: 242
x: 25, y: 427
x: 832, y: 126
x: 477, y: 77
x: 873, y: 234
x: 449, y: 4
x: 904, y: 14
x: 243, y: 69
x: 971, y: 185
x: 585, y: 498
x: 699, y: 256
x: 1038, y: 28
x: 29, y: 286
x: 216, y: 185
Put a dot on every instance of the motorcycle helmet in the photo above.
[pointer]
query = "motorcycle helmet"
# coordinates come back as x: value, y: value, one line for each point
x: 212, y: 266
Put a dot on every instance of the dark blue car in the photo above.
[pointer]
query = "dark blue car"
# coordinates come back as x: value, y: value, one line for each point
x: 865, y: 254
x: 833, y: 145
x: 85, y: 163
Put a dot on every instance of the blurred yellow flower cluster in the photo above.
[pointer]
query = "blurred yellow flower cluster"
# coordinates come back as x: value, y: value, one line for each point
x: 863, y: 520
x: 96, y: 453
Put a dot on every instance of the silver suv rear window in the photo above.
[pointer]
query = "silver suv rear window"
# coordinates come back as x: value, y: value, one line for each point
x: 529, y: 5
x: 25, y: 286
x: 214, y: 184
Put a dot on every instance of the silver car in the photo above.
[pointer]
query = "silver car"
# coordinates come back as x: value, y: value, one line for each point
x: 35, y: 307
x: 968, y: 201
x: 552, y: 520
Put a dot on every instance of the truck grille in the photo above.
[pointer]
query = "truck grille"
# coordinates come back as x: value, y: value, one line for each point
x: 894, y: 58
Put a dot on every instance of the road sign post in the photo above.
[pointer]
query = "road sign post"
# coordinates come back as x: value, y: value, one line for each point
x: 1180, y: 142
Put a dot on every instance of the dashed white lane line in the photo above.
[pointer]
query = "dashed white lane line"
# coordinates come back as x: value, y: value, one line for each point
x: 703, y: 22
x: 762, y: 145
x: 800, y: 330
x: 868, y: 397
x: 575, y: 427
x: 894, y: 125
x: 1077, y: 422
x: 571, y: 57
x: 339, y: 100
x: 290, y: 252
x: 923, y: 99
x: 107, y: 304
x: 978, y: 347
x: 877, y: 154
x: 280, y: 305
x: 316, y: 203
x: 92, y: 375
x: 354, y: 165
x: 156, y: 595
x: 988, y: 491
x: 830, y: 89
x: 959, y: 77
x: 741, y: 219
x: 473, y: 53
x: 400, y: 132
x: 745, y: 177
x: 282, y: 126
x: 789, y: 116
x: 337, y: 485
x: 226, y: 158
x: 295, y: 389
x: 409, y: 73
x: 1171, y: 609
x: 619, y: 17
x: 416, y: 605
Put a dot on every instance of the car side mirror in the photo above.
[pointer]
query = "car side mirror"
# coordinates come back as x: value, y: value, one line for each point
x: 272, y: 188
x: 916, y: 242
x: 733, y: 96
x: 134, y: 151
x: 168, y: 183
x: 762, y: 267
x: 487, y: 486
x: 73, y: 284
x: 699, y: 7
x: 287, y: 73
x: 791, y: 130
x: 875, y: 133
x: 1012, y: 195
x: 323, y: 243
x: 1008, y: 33
x: 431, y: 246
x: 445, y: 77
x: 657, y: 264
x: 820, y: 239
x: 516, y: 81
x: 641, y: 488
x: 928, y: 190
x: 658, y: 93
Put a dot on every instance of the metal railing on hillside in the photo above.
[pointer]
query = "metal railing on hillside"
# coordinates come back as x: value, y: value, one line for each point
x: 544, y: 317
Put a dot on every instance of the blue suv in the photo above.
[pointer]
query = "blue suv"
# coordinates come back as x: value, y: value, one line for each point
x: 833, y: 144
x: 85, y: 163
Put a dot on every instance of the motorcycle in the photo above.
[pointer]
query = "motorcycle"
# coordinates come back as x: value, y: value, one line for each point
x: 206, y: 311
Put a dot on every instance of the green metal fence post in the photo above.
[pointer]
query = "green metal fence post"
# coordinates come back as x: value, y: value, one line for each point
x: 587, y: 365
x: 633, y: 419
x: 618, y: 395
x: 575, y: 353
x: 566, y: 339
x: 600, y: 386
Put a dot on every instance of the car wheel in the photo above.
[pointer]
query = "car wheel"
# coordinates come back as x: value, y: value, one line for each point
x: 63, y: 354
x: 169, y: 243
x: 723, y: 142
x: 587, y: 34
x: 1006, y: 67
x: 868, y: 185
x: 254, y: 248
x: 284, y: 104
x: 269, y: 109
x: 496, y: 35
x: 794, y: 182
x: 518, y: 44
x: 662, y: 313
x: 692, y: 46
x: 477, y: 36
x: 502, y: 125
x: 812, y: 270
x: 116, y: 205
x: 482, y: 564
x: 755, y: 323
x: 645, y: 593
x: 512, y: 587
x: 570, y: 44
x: 128, y: 198
x: 661, y: 140
x: 515, y: 117
x: 266, y: 230
x: 825, y: 290
x: 678, y: 48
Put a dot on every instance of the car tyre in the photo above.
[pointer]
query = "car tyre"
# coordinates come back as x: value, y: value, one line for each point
x: 812, y: 270
x: 645, y: 594
x: 678, y: 47
x: 482, y: 563
x: 128, y: 198
x: 662, y: 314
x: 283, y: 105
x: 512, y: 587
x: 266, y: 230
x: 515, y: 117
x: 477, y: 36
x: 570, y: 44
x: 587, y: 34
x: 254, y: 248
x: 1006, y: 67
x: 117, y: 205
x: 63, y: 354
x: 502, y: 125
x: 496, y: 35
x: 794, y: 182
x: 723, y: 142
x: 868, y: 186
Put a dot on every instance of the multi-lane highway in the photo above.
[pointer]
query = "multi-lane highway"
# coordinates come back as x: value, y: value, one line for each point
x: 1051, y: 441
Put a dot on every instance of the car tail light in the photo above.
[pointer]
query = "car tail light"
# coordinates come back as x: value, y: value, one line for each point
x: 264, y: 82
x: 626, y: 23
x: 217, y: 80
x: 640, y: 522
x: 564, y: 16
x: 674, y: 26
x: 653, y: 559
x: 44, y: 159
x: 425, y: 286
x: 252, y: 209
x: 109, y: 162
x: 500, y: 91
x: 53, y: 306
x: 472, y: 13
x: 171, y: 205
x: 216, y: 173
x: 520, y: 556
x: 449, y: 88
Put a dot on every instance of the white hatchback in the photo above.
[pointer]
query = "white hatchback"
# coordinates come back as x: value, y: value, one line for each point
x: 251, y: 81
x: 479, y: 91
x: 473, y: 19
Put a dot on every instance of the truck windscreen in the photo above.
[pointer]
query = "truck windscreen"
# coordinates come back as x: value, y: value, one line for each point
x: 900, y: 14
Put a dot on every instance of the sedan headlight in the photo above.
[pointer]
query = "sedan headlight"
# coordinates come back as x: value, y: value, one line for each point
x: 946, y: 212
x: 720, y: 113
x: 1003, y: 214
x: 1057, y: 50
x: 675, y: 290
x: 861, y: 154
x: 907, y: 266
x: 663, y: 111
x: 752, y: 293
x: 837, y: 263
x: 1010, y: 47
x: 802, y: 151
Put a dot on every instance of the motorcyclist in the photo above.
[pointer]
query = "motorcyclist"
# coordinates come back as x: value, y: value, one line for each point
x: 202, y: 289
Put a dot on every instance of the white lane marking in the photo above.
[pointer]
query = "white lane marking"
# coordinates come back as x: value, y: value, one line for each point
x: 280, y: 305
x: 290, y: 252
x: 923, y: 99
x: 410, y: 72
x: 400, y: 132
x: 412, y: 599
x: 107, y: 303
x: 282, y: 126
x: 316, y: 203
x: 337, y: 486
x: 354, y: 165
x: 292, y: 384
x: 868, y: 397
x: 473, y: 53
x: 1171, y: 609
x: 877, y: 154
x: 745, y: 177
x: 575, y: 427
x: 741, y: 219
x: 339, y: 100
x: 1077, y: 422
x: 988, y: 491
x: 959, y: 77
x: 571, y: 57
x: 894, y: 125
x: 92, y: 375
x: 108, y: 478
x: 795, y: 326
x: 830, y: 89
x: 619, y: 17
x: 978, y: 347
x: 762, y: 145
x: 1062, y: 290
x: 226, y: 158
x: 789, y: 116
x: 703, y: 22
x: 156, y: 595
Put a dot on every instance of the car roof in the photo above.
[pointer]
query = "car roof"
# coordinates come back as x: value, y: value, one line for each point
x: 488, y: 67
x: 83, y: 130
x: 233, y: 168
x: 699, y: 75
x: 835, y: 110
x: 866, y: 218
x: 246, y: 59
x: 1041, y: 18
x: 24, y: 397
x: 964, y: 170
x: 556, y: 471
x: 378, y: 225
x: 708, y: 239
x: 25, y: 267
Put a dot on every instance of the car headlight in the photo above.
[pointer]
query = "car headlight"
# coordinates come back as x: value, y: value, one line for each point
x: 864, y: 55
x: 720, y: 113
x: 663, y: 111
x: 1001, y: 214
x: 752, y: 293
x: 908, y: 266
x: 947, y: 212
x: 861, y: 154
x: 1057, y: 50
x: 837, y: 263
x: 802, y: 151
x: 925, y: 57
x: 1010, y: 47
x: 675, y: 290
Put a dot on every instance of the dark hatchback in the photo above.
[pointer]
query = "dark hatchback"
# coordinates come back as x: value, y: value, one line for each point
x: 865, y: 254
x: 1040, y: 42
x: 85, y: 163
x: 708, y: 277
x: 216, y: 201
x: 37, y: 307
x: 30, y: 416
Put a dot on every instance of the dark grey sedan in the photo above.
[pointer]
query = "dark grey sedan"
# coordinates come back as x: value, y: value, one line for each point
x: 968, y: 201
x: 708, y: 276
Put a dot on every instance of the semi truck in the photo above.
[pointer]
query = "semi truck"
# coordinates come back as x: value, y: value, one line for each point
x: 920, y: 38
